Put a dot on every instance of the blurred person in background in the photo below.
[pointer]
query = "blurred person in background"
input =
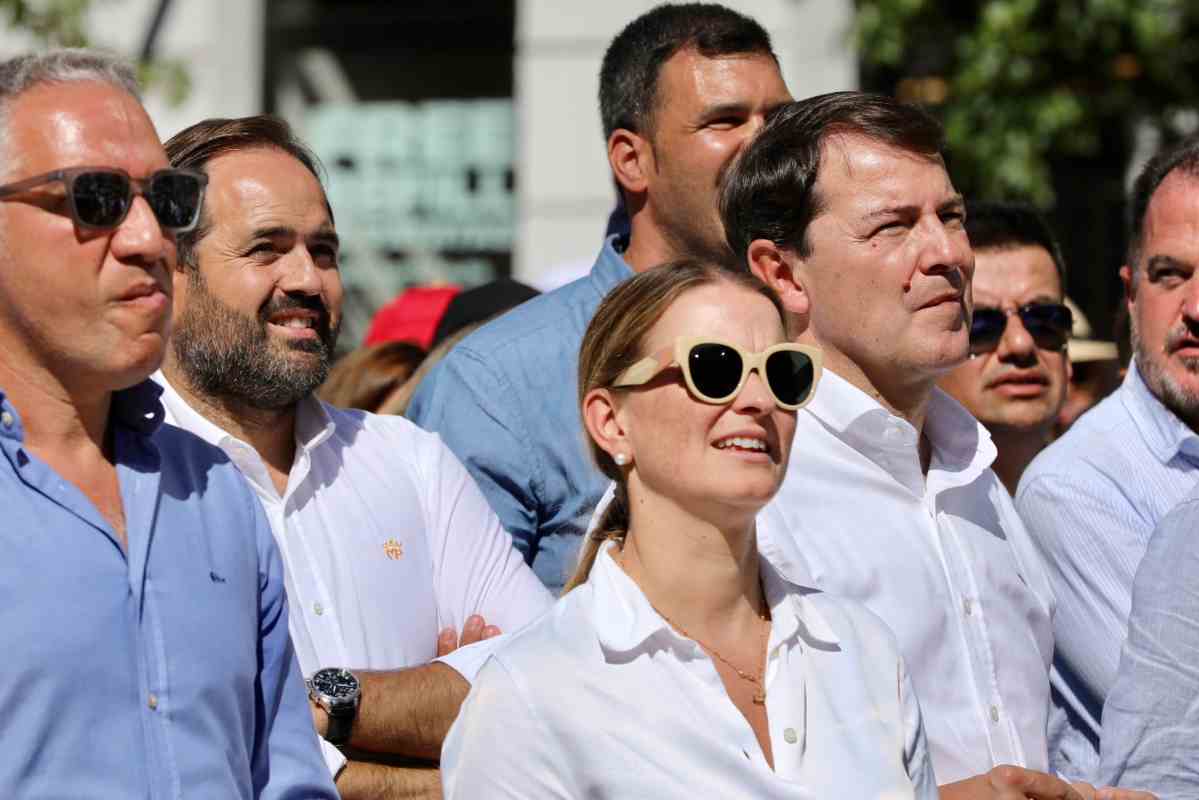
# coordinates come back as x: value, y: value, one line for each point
x: 144, y: 616
x: 367, y: 377
x: 1093, y: 498
x: 390, y: 548
x: 679, y: 664
x: 682, y: 88
x: 1095, y: 370
x: 843, y: 204
x: 465, y: 314
x: 1015, y: 380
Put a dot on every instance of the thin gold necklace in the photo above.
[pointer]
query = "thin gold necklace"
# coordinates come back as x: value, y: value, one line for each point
x: 756, y: 680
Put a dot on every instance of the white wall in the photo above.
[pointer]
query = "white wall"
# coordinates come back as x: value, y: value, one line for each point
x: 220, y: 41
x: 564, y: 188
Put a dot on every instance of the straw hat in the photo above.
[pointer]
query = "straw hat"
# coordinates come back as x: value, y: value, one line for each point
x: 1081, y: 346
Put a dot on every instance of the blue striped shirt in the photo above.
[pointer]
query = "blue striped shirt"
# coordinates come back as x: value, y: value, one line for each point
x: 1091, y: 501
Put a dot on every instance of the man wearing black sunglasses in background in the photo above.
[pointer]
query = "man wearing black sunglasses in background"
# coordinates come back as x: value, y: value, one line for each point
x: 1016, y: 377
x: 843, y: 204
x: 142, y: 611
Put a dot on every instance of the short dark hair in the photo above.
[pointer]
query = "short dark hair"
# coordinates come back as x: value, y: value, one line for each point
x: 770, y: 191
x: 628, y: 81
x: 195, y: 146
x: 1004, y: 226
x: 1182, y: 155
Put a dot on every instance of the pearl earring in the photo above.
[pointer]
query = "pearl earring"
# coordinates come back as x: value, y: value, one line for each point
x: 621, y: 459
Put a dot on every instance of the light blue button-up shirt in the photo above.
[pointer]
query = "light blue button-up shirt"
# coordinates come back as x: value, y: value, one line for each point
x: 1151, y: 720
x: 505, y: 401
x: 162, y: 672
x: 1091, y: 501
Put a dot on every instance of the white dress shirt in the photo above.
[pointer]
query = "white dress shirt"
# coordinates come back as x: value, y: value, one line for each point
x: 602, y: 698
x: 943, y: 559
x: 385, y: 541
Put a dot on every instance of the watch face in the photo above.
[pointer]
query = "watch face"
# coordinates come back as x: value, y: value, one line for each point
x: 338, y: 684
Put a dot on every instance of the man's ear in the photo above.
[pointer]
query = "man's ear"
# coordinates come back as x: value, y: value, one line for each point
x: 631, y: 158
x: 780, y: 270
x: 604, y: 424
x: 1130, y: 286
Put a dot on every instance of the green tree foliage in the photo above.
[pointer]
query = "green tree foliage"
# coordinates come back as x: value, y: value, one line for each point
x: 1020, y: 83
x: 63, y: 23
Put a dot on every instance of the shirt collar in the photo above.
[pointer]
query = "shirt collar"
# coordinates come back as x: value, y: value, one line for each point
x: 137, y: 408
x: 625, y: 620
x: 1163, y: 432
x: 313, y: 423
x: 961, y: 445
x: 610, y: 267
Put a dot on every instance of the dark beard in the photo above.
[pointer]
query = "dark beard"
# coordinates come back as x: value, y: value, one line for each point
x: 223, y: 353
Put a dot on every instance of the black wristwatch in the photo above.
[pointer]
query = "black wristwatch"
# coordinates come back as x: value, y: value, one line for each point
x: 337, y: 691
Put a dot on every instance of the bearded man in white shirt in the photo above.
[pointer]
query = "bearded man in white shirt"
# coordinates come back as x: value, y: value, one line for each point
x: 389, y: 546
x: 843, y: 204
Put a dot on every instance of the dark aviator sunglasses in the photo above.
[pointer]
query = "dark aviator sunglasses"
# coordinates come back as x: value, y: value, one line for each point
x: 99, y: 198
x: 1048, y: 324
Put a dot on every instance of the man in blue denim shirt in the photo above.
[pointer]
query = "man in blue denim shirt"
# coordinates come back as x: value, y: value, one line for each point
x: 681, y: 89
x: 142, y: 610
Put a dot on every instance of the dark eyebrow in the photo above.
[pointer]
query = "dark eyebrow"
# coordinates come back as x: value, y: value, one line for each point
x: 955, y: 203
x: 1168, y: 262
x: 273, y: 232
x: 327, y: 236
x: 731, y: 109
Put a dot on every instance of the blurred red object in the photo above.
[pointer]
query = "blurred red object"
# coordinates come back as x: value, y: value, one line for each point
x: 412, y: 316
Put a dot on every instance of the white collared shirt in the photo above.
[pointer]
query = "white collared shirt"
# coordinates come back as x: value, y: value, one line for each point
x: 602, y: 698
x: 385, y: 541
x: 944, y: 560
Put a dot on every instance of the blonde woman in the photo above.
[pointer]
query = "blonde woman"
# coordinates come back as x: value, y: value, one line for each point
x: 679, y: 664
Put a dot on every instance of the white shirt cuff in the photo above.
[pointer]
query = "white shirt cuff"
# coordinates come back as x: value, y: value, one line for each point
x: 468, y: 660
x: 334, y: 759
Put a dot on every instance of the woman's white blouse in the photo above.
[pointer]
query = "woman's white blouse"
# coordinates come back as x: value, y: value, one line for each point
x: 602, y: 698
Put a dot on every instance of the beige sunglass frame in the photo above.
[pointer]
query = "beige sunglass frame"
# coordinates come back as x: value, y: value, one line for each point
x: 647, y: 368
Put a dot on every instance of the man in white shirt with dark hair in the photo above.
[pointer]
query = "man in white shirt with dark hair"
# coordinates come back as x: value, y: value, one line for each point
x: 843, y: 204
x: 388, y: 545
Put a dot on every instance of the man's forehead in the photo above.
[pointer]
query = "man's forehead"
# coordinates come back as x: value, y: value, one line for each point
x: 726, y: 78
x: 1174, y: 208
x: 84, y: 123
x: 262, y: 188
x: 848, y: 158
x: 1017, y: 274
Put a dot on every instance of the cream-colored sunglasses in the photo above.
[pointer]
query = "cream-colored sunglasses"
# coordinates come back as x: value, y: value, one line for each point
x: 715, y: 371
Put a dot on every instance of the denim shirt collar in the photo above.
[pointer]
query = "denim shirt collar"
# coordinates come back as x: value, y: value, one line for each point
x: 610, y: 267
x: 1164, y: 433
x: 137, y: 408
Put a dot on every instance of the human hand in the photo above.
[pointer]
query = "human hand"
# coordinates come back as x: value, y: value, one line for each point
x: 476, y: 629
x: 1009, y: 782
x: 1089, y: 792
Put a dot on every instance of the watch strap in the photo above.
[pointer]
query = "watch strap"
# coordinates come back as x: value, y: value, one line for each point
x: 340, y: 725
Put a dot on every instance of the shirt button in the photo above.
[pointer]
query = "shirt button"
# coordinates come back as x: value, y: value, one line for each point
x: 318, y: 609
x: 152, y: 701
x: 7, y: 419
x: 789, y: 736
x: 967, y: 606
x: 994, y: 714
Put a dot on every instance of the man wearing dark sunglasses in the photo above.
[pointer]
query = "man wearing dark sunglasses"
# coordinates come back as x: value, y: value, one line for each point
x: 843, y: 204
x: 144, y: 614
x: 389, y: 546
x: 1016, y: 377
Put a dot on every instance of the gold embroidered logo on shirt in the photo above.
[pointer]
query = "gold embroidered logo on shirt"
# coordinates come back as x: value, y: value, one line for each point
x: 393, y: 549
